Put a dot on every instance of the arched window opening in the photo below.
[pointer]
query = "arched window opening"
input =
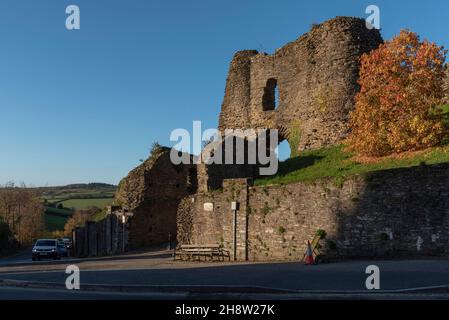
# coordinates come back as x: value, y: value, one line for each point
x: 270, y: 95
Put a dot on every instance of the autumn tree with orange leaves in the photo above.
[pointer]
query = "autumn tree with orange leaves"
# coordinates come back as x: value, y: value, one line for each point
x: 401, y: 86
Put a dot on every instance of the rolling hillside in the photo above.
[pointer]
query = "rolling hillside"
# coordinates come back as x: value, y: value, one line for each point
x: 61, y: 202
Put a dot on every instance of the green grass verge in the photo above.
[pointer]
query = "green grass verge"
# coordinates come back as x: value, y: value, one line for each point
x: 339, y: 164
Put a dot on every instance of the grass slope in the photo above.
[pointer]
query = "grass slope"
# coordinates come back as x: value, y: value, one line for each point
x: 337, y: 163
x: 54, y: 223
x: 58, y: 212
x: 99, y: 216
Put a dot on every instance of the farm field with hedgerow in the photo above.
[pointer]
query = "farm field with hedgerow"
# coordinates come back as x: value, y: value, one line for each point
x: 62, y: 202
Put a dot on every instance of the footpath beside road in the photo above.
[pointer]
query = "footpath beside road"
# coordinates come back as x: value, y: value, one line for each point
x: 156, y: 272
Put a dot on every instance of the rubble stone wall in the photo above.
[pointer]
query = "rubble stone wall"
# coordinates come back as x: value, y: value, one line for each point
x: 391, y: 213
x: 152, y: 192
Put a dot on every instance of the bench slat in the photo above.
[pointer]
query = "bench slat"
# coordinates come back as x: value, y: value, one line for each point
x: 198, y: 250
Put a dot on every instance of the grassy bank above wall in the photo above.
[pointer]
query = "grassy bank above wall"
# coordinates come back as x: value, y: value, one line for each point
x: 338, y: 163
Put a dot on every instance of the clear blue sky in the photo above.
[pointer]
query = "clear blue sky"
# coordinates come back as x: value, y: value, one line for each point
x: 85, y: 106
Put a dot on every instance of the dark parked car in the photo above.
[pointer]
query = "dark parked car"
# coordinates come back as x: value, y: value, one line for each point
x: 68, y: 246
x: 67, y: 242
x: 62, y: 249
x: 46, y: 248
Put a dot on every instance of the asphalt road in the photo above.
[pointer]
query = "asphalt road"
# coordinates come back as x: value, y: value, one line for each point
x: 157, y: 269
x: 12, y: 293
x: 345, y: 276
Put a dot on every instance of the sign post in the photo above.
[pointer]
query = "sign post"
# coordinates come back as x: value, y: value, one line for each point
x: 234, y: 208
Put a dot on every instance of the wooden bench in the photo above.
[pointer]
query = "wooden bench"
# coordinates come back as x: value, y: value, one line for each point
x: 197, y: 251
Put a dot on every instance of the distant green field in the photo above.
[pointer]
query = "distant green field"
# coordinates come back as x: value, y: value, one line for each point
x: 54, y: 223
x: 86, y: 203
x: 80, y: 196
x: 55, y: 199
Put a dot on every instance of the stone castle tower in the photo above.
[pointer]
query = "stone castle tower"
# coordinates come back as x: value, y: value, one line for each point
x: 306, y: 87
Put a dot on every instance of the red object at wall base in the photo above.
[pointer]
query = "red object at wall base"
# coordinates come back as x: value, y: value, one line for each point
x: 309, y: 257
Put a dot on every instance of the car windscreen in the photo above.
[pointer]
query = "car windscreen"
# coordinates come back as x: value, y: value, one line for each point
x: 46, y: 243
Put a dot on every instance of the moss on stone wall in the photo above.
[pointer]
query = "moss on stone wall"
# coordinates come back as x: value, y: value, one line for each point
x: 294, y: 138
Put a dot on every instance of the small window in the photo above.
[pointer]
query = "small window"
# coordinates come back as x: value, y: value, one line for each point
x: 270, y: 95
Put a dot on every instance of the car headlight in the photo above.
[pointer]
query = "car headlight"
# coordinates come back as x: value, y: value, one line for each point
x: 53, y: 250
x: 34, y: 250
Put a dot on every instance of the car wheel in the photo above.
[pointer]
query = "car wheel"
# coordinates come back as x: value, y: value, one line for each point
x: 33, y: 258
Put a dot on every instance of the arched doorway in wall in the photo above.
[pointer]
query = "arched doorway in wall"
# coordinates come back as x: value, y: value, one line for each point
x: 283, y: 150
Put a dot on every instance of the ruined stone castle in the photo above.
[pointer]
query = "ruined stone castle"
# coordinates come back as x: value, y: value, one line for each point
x: 306, y: 90
x: 315, y: 78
